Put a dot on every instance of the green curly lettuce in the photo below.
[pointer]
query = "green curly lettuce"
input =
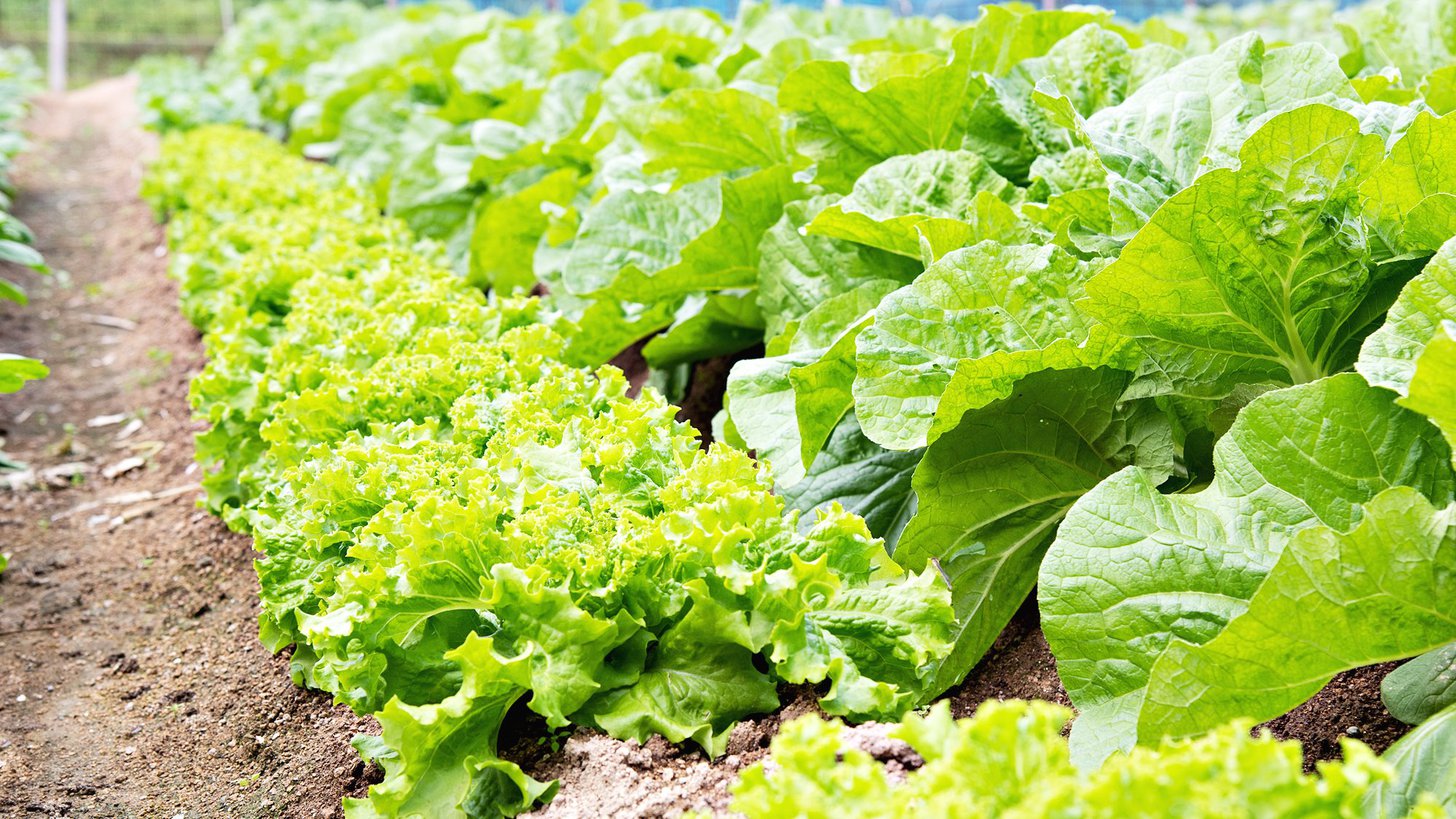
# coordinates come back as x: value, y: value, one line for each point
x: 451, y: 519
x: 1010, y: 760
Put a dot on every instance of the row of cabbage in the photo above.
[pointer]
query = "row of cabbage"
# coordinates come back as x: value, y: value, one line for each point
x: 19, y: 80
x: 1155, y: 321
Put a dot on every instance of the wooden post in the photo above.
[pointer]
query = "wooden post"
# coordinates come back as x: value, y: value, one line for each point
x: 225, y: 8
x: 56, y: 40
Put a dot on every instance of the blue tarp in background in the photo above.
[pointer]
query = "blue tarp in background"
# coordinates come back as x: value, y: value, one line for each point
x: 962, y: 9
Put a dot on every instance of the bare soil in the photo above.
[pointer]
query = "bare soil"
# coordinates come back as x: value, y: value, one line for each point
x: 132, y: 683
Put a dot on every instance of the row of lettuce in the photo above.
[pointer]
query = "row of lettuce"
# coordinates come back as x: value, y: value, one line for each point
x: 1155, y: 320
x: 451, y: 517
x: 19, y: 80
x: 1011, y: 760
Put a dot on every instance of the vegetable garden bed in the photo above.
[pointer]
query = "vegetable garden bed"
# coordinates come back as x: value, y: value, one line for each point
x: 1146, y: 332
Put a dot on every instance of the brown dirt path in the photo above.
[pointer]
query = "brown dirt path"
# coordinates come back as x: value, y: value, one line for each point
x: 132, y: 683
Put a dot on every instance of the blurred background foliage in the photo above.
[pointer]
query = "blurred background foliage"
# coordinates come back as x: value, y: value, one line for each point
x: 107, y: 37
